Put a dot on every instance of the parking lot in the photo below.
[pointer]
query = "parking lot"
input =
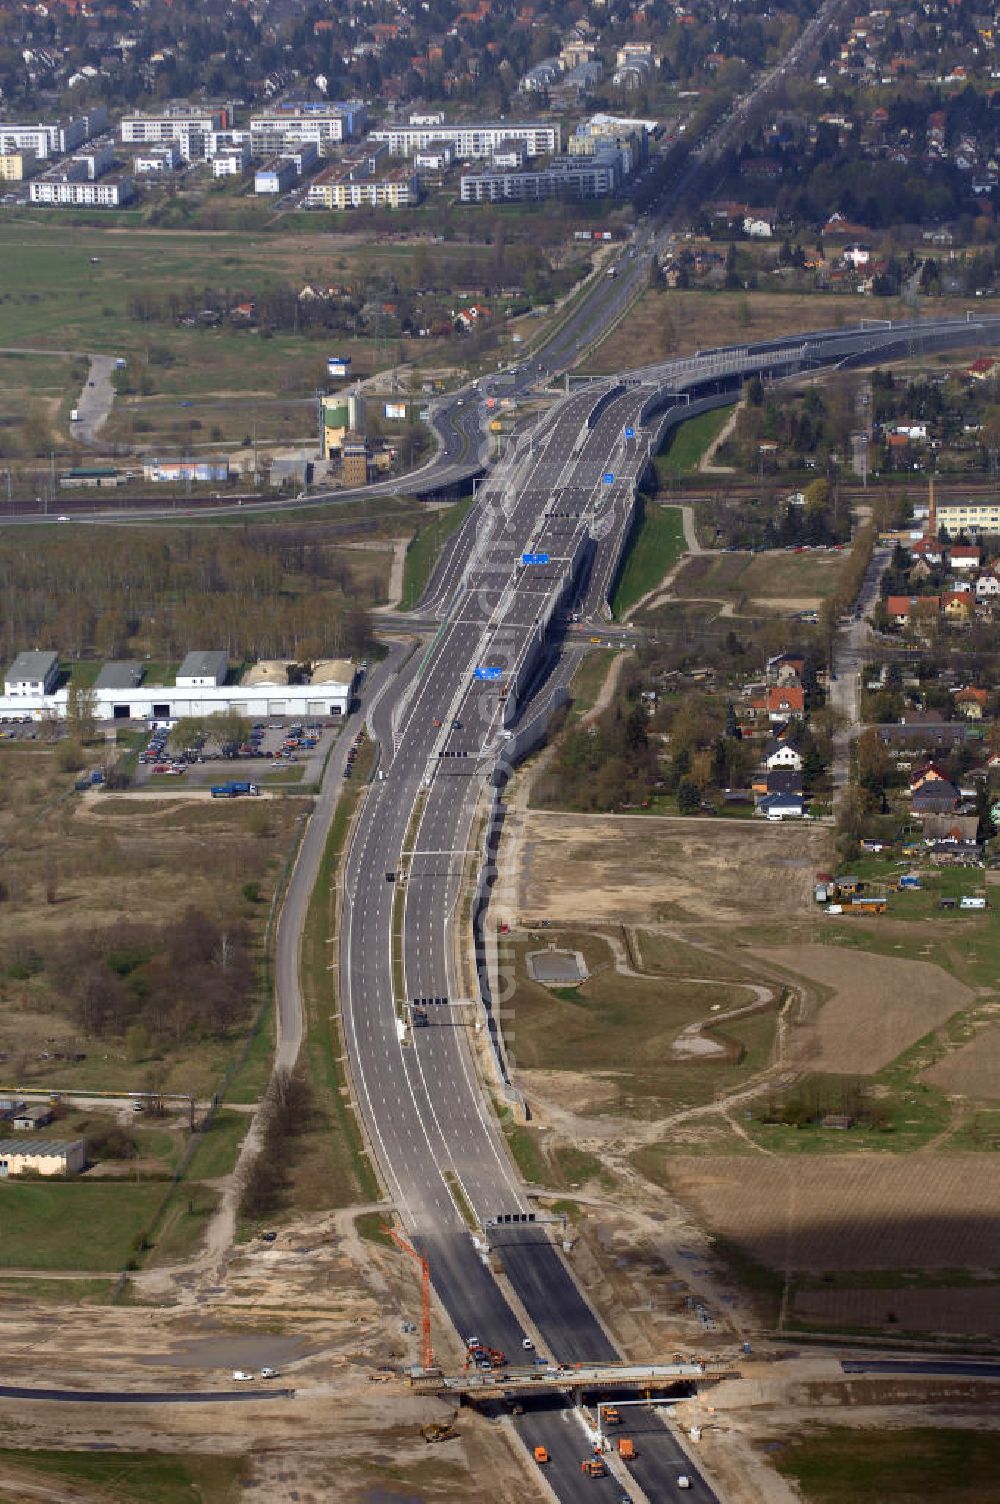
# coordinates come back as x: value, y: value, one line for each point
x: 279, y: 750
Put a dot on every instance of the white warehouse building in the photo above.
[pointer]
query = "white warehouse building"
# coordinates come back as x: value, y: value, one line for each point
x: 32, y: 689
x: 41, y: 1156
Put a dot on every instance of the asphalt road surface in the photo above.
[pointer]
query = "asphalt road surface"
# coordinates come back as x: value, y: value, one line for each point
x: 544, y: 536
x: 945, y: 1368
x: 145, y: 1396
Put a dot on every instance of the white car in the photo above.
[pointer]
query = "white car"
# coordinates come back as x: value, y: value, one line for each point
x: 527, y: 1344
x: 241, y: 1376
x: 269, y: 1373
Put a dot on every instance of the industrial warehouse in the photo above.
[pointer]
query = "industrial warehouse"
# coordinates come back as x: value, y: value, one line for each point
x: 37, y: 688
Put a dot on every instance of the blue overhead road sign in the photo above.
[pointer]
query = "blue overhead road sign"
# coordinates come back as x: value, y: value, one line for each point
x: 488, y: 671
x: 534, y: 558
x: 608, y: 477
x: 630, y: 433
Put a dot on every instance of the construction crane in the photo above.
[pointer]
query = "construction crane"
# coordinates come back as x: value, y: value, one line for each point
x: 425, y: 1294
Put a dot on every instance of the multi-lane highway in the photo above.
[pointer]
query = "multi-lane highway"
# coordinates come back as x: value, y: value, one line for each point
x: 546, y: 531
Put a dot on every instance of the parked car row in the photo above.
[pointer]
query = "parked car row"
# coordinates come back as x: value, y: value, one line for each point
x: 352, y: 753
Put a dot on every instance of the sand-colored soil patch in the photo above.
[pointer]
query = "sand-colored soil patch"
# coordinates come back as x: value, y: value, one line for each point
x: 848, y: 1211
x: 880, y: 1004
x: 581, y: 869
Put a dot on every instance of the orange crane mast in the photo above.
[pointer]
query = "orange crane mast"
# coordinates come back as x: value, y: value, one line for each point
x: 425, y: 1294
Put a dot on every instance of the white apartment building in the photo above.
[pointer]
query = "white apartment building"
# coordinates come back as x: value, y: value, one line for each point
x: 55, y: 139
x: 217, y: 142
x: 480, y: 140
x: 63, y: 188
x: 566, y: 177
x: 157, y: 160
x: 281, y: 128
x: 174, y: 123
x: 231, y: 163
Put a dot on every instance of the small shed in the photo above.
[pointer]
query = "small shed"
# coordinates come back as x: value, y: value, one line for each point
x: 32, y: 1115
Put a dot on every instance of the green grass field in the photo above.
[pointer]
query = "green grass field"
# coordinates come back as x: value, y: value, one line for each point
x: 620, y: 1029
x: 425, y: 545
x: 76, y: 1292
x: 657, y: 546
x: 90, y: 1225
x: 588, y: 681
x: 217, y: 1149
x: 843, y: 1465
x: 688, y: 442
x: 133, y: 1477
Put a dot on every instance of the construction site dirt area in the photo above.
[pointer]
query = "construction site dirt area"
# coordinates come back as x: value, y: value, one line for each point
x: 330, y: 1311
x: 848, y: 1212
x: 645, y: 868
x: 878, y: 1005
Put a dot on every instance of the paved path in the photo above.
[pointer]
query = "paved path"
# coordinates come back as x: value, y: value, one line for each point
x: 95, y: 402
x: 289, y: 1007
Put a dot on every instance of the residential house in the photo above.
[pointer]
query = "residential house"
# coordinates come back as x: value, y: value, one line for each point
x: 938, y: 796
x: 961, y: 829
x: 785, y: 702
x: 759, y: 224
x: 956, y: 605
x: 928, y: 772
x: 784, y: 781
x: 971, y: 703
x: 780, y: 754
x: 962, y: 557
x: 785, y: 668
x: 901, y: 607
x: 987, y: 587
x: 780, y: 807
x: 923, y: 717
x: 922, y: 739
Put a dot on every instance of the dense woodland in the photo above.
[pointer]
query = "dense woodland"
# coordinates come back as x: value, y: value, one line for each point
x: 256, y: 592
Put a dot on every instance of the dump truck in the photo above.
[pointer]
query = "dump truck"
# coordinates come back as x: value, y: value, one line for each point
x: 612, y: 1416
x: 593, y: 1467
x: 233, y: 790
x: 626, y: 1448
x: 541, y: 1455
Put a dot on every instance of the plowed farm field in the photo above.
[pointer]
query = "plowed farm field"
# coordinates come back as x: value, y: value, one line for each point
x: 967, y: 1311
x: 879, y: 1006
x: 849, y: 1211
x: 972, y: 1071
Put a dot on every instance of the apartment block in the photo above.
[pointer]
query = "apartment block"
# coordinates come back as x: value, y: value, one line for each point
x: 482, y: 140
